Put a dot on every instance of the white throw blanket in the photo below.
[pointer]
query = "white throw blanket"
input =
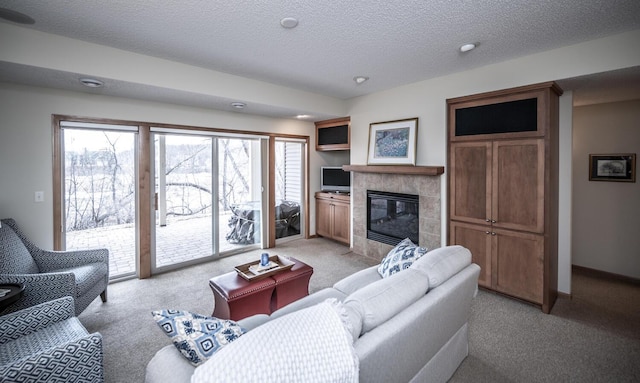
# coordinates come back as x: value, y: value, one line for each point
x: 309, y: 345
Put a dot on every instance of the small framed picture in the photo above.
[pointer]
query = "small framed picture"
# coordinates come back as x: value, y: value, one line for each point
x: 393, y: 142
x: 612, y: 167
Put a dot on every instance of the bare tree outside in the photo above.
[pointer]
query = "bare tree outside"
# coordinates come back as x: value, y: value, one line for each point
x: 100, y: 194
x: 100, y: 183
x: 99, y: 189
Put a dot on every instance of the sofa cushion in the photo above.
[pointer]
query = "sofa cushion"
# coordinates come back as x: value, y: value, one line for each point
x: 400, y: 257
x: 253, y: 321
x: 382, y: 300
x: 308, y: 301
x: 442, y: 263
x: 309, y: 345
x: 358, y: 280
x: 197, y: 337
x: 351, y: 318
x: 14, y: 256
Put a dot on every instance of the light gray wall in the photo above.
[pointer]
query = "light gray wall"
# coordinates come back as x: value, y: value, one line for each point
x: 606, y: 215
x: 26, y: 149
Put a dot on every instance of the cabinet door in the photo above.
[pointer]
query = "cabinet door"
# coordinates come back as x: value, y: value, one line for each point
x: 518, y: 264
x: 470, y: 181
x: 341, y: 222
x: 477, y: 239
x: 323, y: 220
x: 518, y: 185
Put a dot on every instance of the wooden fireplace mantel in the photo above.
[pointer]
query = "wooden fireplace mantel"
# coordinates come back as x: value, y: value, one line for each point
x: 396, y: 169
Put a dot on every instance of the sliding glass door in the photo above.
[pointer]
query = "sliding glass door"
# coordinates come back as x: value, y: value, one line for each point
x: 240, y: 193
x: 98, y: 192
x: 207, y: 196
x: 289, y: 188
x: 159, y: 197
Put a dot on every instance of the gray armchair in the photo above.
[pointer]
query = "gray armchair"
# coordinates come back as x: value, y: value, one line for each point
x: 47, y: 343
x: 47, y: 275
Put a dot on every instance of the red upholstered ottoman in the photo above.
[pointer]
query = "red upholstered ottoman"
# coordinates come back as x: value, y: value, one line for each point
x: 291, y: 285
x: 236, y: 298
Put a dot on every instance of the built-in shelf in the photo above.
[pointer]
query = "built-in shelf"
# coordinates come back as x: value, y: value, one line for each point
x: 396, y: 169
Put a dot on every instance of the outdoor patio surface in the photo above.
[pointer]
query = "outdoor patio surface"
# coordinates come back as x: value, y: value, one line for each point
x: 182, y: 239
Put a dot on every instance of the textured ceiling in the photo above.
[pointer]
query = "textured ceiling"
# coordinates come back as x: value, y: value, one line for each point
x: 391, y: 42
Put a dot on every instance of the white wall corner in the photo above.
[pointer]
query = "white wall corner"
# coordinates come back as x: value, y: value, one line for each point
x: 565, y: 170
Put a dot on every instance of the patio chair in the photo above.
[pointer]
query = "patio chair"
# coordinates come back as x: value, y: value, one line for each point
x: 47, y: 275
x: 47, y: 343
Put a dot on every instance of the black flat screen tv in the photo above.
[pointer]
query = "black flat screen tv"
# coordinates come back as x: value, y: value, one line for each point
x: 334, y: 179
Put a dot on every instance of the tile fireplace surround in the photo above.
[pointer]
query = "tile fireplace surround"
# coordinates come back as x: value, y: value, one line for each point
x: 427, y: 187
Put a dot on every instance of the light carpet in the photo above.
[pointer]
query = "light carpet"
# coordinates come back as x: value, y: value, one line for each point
x: 592, y: 337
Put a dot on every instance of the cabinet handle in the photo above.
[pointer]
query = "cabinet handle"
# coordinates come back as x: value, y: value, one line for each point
x: 487, y: 220
x: 493, y: 221
x: 486, y: 232
x: 493, y: 233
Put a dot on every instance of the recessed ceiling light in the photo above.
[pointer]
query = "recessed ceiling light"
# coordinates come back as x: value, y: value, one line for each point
x: 303, y: 116
x: 238, y: 105
x: 289, y: 22
x: 91, y: 82
x: 360, y: 79
x: 467, y: 47
x: 15, y: 17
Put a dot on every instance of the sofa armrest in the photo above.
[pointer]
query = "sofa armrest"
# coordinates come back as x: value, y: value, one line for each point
x: 33, y: 318
x: 78, y: 360
x: 49, y: 261
x: 40, y: 288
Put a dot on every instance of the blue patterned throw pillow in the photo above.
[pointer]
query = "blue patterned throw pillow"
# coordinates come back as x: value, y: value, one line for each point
x: 400, y: 257
x: 197, y: 337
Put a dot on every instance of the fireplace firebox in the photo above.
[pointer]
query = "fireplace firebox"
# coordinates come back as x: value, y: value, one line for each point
x: 392, y: 217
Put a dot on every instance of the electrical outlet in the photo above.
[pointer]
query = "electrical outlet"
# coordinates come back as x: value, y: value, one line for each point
x: 39, y: 196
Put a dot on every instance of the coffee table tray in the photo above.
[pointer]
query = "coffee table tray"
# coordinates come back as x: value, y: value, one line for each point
x: 281, y: 262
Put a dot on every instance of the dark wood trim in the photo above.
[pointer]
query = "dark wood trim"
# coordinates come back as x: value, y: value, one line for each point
x: 272, y: 193
x: 508, y: 92
x: 333, y: 123
x: 564, y: 295
x: 145, y: 203
x: 305, y: 190
x: 604, y: 274
x: 56, y: 196
x: 61, y: 117
x: 396, y: 169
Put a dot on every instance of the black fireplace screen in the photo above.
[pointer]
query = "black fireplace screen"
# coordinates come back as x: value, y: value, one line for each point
x: 392, y: 217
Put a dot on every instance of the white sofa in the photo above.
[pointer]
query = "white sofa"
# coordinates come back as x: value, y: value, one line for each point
x: 405, y: 334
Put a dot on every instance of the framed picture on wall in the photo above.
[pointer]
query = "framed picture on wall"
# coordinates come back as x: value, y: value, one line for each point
x: 612, y: 167
x: 393, y: 142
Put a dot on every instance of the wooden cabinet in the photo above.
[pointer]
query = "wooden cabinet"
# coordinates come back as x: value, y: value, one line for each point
x: 511, y: 262
x: 333, y: 134
x: 333, y: 216
x: 498, y: 183
x: 503, y: 193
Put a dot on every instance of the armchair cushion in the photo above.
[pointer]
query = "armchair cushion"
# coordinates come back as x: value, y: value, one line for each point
x: 14, y: 256
x: 86, y: 276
